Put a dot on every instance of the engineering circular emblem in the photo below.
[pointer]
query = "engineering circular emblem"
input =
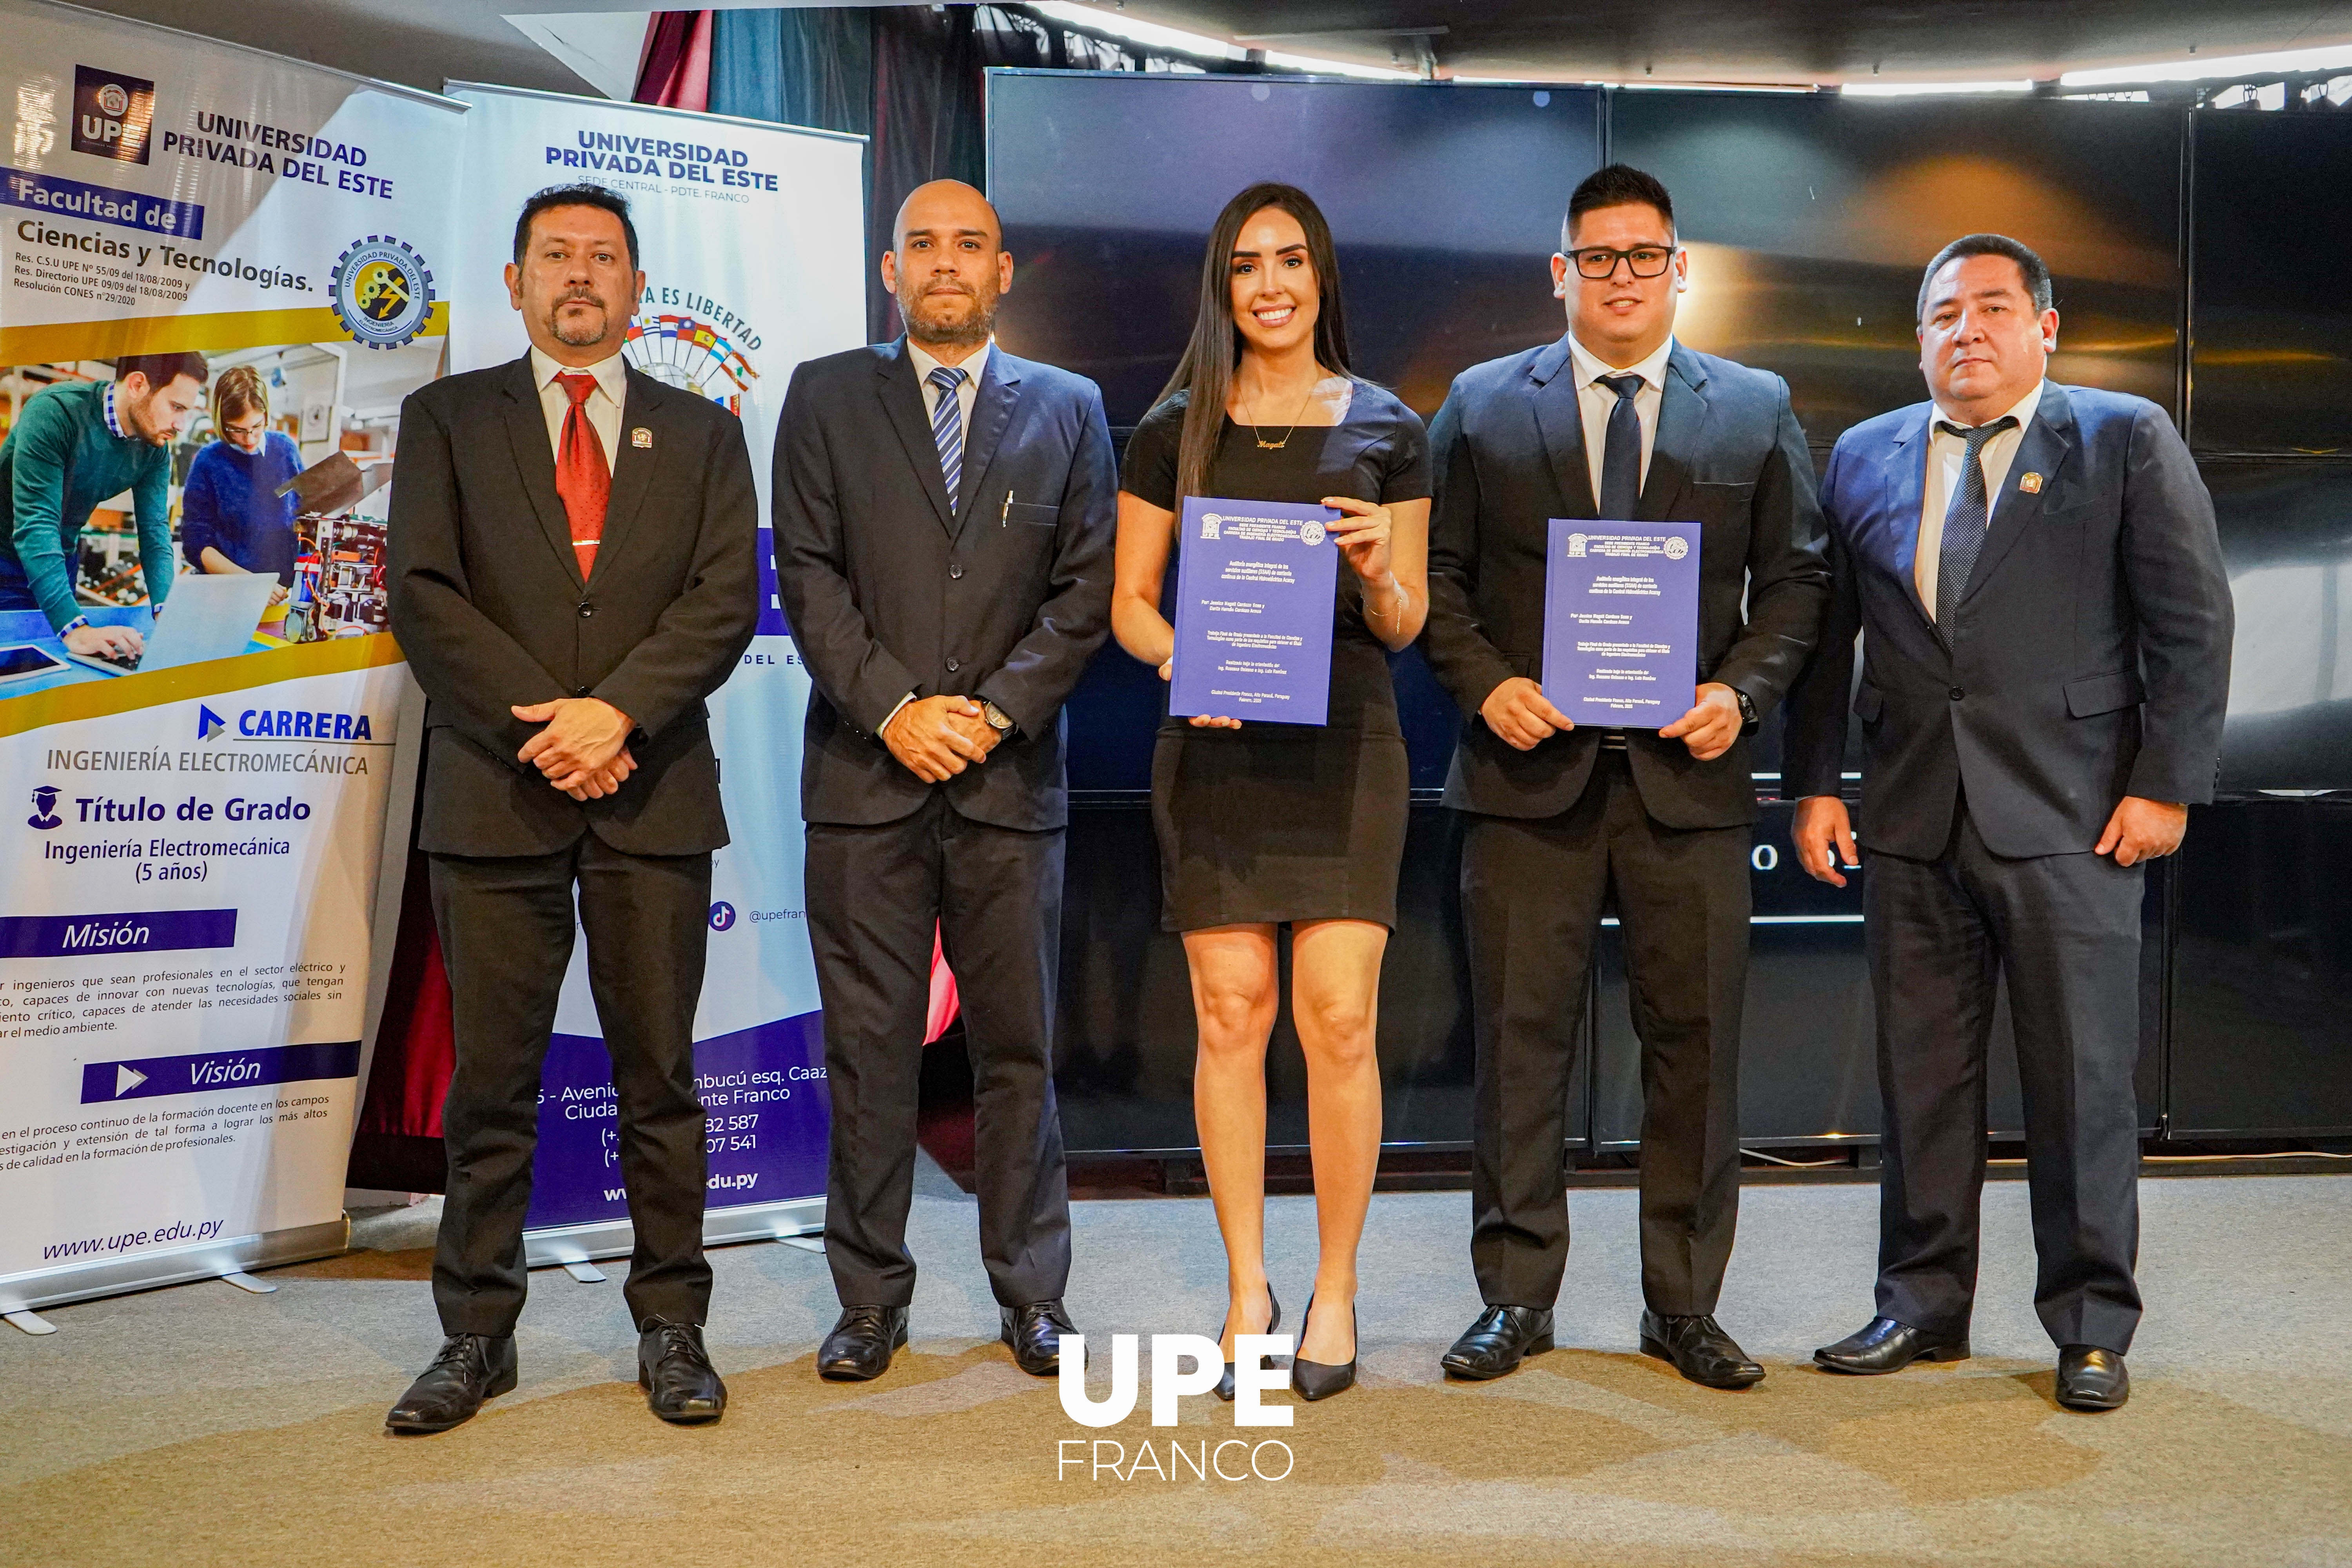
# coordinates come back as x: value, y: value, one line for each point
x: 1676, y: 547
x: 1310, y: 533
x: 381, y: 291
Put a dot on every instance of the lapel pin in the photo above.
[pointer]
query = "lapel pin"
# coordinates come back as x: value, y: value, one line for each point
x: 2030, y: 484
x: 641, y: 436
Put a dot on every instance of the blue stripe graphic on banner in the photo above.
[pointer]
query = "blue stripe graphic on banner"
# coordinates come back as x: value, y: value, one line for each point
x: 66, y: 198
x: 147, y: 1077
x: 73, y: 936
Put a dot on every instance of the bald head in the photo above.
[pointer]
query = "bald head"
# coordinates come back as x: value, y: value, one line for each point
x: 947, y: 266
x: 946, y: 207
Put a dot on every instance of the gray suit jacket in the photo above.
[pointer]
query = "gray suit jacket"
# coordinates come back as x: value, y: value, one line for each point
x: 1000, y: 593
x: 1728, y: 455
x: 2088, y: 659
x: 490, y: 609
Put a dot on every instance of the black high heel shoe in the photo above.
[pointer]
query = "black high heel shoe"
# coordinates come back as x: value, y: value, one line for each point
x: 1313, y: 1380
x: 1226, y: 1383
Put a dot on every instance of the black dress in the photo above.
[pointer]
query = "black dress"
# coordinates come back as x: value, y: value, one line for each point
x: 1288, y: 822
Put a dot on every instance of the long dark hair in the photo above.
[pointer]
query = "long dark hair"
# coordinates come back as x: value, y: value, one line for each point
x: 1205, y: 374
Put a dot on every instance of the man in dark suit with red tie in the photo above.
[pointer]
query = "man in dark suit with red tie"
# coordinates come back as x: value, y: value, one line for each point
x: 573, y: 569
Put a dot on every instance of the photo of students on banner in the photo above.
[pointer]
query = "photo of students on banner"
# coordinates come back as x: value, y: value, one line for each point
x: 117, y: 479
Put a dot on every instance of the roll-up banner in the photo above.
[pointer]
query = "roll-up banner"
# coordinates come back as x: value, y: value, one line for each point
x: 751, y: 238
x: 224, y: 273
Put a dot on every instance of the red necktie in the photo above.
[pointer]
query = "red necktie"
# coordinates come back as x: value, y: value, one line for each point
x: 581, y: 480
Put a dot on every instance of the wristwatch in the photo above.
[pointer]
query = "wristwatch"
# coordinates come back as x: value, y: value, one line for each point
x: 998, y: 719
x: 1747, y: 708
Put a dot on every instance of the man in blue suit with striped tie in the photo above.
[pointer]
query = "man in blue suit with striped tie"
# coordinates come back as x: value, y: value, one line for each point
x: 944, y: 515
x: 2037, y: 579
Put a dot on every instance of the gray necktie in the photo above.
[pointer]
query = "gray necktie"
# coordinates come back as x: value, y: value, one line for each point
x: 1964, y: 519
x: 1621, y: 458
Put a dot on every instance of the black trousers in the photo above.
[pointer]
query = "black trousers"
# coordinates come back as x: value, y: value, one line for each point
x: 1532, y: 894
x: 994, y: 896
x: 2066, y: 929
x: 505, y: 926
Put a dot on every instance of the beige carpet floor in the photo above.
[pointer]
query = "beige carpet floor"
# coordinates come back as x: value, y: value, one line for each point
x: 204, y: 1426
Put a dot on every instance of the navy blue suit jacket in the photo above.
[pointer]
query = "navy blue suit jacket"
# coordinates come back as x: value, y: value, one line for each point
x: 1000, y: 593
x: 2088, y: 659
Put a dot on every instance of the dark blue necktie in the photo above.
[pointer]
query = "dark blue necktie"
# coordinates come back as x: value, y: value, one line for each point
x: 946, y: 427
x: 1964, y: 520
x: 1621, y: 457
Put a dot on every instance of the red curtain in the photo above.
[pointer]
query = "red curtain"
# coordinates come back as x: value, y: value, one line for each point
x: 676, y: 68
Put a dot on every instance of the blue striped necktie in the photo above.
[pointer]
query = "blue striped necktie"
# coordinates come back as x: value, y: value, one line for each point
x: 946, y: 427
x: 1964, y: 519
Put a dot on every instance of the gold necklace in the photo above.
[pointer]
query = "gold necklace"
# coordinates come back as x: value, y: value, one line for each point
x: 1265, y: 445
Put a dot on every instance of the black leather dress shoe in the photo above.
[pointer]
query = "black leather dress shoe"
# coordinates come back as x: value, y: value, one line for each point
x: 470, y: 1369
x: 680, y: 1384
x: 1501, y: 1339
x: 1887, y: 1345
x: 2090, y: 1378
x: 1699, y: 1349
x: 860, y: 1344
x: 1035, y: 1332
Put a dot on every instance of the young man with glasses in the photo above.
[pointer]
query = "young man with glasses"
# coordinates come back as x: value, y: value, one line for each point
x: 1616, y: 420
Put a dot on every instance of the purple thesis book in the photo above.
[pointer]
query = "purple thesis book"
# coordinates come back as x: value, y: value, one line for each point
x: 1255, y: 586
x: 1621, y: 621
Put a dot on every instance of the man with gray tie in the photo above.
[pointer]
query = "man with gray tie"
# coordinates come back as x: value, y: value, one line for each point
x: 1615, y: 419
x: 2036, y: 573
x: 944, y: 514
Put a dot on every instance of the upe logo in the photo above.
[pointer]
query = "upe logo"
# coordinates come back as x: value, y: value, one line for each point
x: 113, y: 114
x: 381, y: 291
x: 1171, y: 1380
x: 208, y: 723
x: 44, y: 800
x: 1576, y: 544
x: 1209, y: 524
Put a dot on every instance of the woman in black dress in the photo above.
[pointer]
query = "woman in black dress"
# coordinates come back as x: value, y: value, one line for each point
x: 1273, y: 824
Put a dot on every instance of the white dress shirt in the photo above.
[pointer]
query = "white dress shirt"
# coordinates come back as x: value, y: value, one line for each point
x: 1596, y: 403
x: 1945, y: 454
x: 966, y: 394
x: 603, y: 404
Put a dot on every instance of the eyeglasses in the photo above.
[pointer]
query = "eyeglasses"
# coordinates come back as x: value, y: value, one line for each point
x: 1644, y: 261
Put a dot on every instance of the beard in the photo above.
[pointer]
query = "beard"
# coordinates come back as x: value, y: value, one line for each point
x: 580, y: 333
x: 139, y: 418
x: 945, y: 319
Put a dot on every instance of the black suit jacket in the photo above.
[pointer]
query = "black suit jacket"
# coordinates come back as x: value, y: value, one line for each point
x: 2088, y: 659
x: 1728, y: 455
x: 1000, y: 594
x: 490, y: 610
